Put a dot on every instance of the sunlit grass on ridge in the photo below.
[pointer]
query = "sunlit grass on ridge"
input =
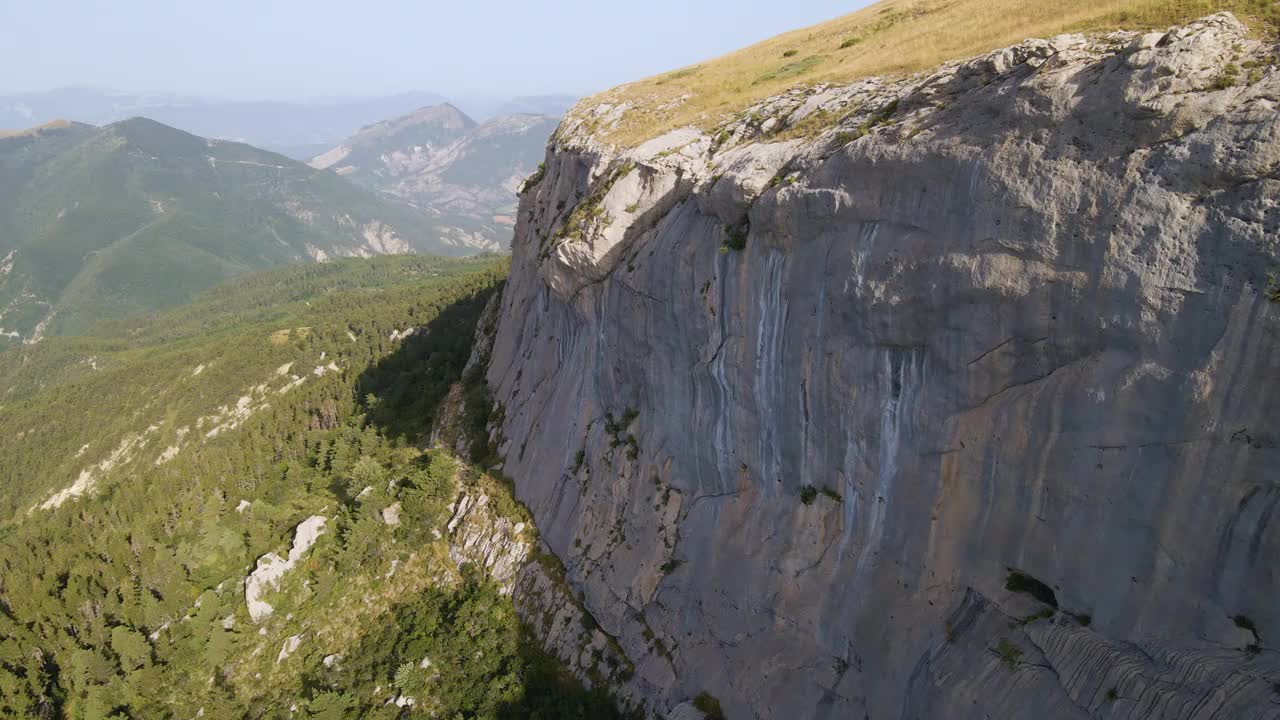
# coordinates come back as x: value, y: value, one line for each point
x: 890, y: 37
x: 51, y: 125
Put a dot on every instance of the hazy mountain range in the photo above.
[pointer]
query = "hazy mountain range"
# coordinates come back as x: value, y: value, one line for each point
x: 298, y: 129
x: 440, y: 159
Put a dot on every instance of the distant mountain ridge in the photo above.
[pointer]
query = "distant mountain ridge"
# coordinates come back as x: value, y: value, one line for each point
x: 363, y: 156
x: 439, y: 158
x: 103, y: 222
x: 297, y: 128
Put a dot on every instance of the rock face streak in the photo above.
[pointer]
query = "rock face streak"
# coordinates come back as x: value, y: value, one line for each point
x: 1010, y: 315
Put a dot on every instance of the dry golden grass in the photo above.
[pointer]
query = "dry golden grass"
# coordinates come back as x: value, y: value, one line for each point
x: 280, y: 337
x: 51, y: 125
x: 890, y: 37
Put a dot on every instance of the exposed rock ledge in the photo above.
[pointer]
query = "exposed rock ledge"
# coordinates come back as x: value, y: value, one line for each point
x: 1010, y: 314
x: 271, y: 568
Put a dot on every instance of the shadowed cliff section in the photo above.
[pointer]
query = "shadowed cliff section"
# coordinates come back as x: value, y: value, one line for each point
x: 430, y: 392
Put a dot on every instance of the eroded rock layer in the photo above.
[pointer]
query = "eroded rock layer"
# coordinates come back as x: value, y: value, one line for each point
x: 948, y: 396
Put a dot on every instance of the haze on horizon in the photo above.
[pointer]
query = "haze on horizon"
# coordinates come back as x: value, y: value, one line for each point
x: 293, y: 50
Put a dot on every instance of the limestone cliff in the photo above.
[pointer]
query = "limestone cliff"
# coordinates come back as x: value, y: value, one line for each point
x: 950, y: 396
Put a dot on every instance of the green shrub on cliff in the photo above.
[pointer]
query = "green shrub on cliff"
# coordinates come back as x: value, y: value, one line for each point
x: 1009, y: 654
x: 808, y: 494
x: 736, y: 235
x: 533, y: 180
x: 709, y: 705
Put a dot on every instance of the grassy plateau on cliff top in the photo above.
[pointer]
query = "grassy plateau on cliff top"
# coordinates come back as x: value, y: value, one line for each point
x: 890, y: 37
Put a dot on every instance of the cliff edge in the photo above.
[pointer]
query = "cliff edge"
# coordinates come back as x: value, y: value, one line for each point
x: 945, y: 396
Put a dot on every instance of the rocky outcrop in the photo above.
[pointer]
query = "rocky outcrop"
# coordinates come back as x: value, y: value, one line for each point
x: 289, y: 647
x: 272, y: 568
x: 480, y: 536
x: 568, y: 631
x: 944, y: 396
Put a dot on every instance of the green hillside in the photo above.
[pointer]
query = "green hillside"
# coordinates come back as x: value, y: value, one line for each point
x: 103, y: 222
x: 146, y: 468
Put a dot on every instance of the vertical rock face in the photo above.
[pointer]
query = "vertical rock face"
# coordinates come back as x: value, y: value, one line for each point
x: 980, y: 421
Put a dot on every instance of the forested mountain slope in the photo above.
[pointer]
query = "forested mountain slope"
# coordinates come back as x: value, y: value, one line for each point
x: 227, y: 511
x: 101, y: 222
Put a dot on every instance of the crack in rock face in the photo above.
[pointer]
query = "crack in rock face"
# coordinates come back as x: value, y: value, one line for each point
x: 1008, y: 314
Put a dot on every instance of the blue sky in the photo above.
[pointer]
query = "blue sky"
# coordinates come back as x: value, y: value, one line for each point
x: 296, y: 48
